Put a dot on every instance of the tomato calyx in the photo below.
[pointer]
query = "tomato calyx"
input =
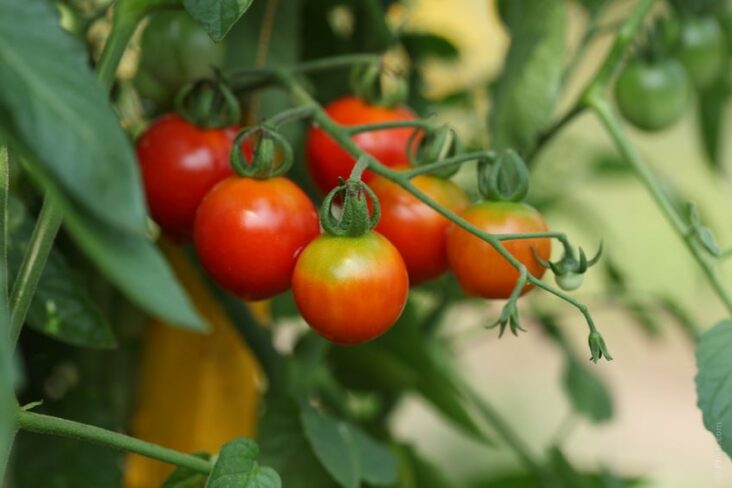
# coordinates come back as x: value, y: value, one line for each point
x: 378, y: 85
x: 355, y: 219
x: 264, y: 163
x: 598, y: 349
x: 503, y: 177
x: 208, y: 103
x: 433, y: 145
x: 509, y: 318
x: 569, y: 270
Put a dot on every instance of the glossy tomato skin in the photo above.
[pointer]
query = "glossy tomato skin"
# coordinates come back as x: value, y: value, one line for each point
x: 653, y: 96
x: 480, y: 270
x: 327, y: 160
x: 180, y: 163
x: 415, y: 229
x: 249, y: 233
x: 350, y: 289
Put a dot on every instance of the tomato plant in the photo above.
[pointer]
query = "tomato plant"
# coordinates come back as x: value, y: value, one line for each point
x: 479, y: 268
x: 249, y: 232
x: 327, y: 161
x: 133, y: 351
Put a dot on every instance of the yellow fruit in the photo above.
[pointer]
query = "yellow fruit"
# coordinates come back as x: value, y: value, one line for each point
x: 195, y: 392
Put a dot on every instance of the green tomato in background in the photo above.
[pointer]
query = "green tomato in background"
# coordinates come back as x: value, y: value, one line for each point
x: 703, y: 50
x: 175, y: 51
x: 652, y: 96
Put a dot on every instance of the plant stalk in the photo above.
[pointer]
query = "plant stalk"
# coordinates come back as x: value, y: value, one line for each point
x: 44, y: 424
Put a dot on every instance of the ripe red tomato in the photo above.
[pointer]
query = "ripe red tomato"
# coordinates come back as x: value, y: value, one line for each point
x: 350, y: 289
x: 415, y: 229
x: 478, y: 267
x: 180, y: 163
x: 327, y: 160
x: 249, y: 232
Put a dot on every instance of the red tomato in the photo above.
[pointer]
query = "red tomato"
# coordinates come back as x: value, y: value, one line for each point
x: 327, y: 160
x: 415, y: 229
x: 249, y: 232
x: 479, y: 268
x: 350, y: 289
x: 180, y: 163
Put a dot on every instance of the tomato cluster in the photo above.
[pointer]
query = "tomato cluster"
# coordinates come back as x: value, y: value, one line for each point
x: 259, y: 236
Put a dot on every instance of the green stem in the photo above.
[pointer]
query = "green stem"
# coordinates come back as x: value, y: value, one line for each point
x: 335, y: 62
x: 31, y: 269
x: 394, y: 124
x: 323, y: 64
x: 296, y: 113
x: 44, y: 424
x: 604, y: 112
x: 448, y: 162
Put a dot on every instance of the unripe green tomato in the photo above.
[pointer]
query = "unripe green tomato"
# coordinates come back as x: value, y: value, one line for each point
x: 569, y: 281
x: 652, y: 96
x: 175, y: 51
x: 703, y: 50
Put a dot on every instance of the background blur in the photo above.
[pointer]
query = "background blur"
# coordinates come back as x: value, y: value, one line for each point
x: 657, y: 432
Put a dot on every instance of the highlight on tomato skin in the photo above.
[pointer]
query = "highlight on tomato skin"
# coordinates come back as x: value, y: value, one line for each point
x: 249, y: 233
x: 180, y: 163
x: 415, y: 229
x: 350, y: 290
x: 479, y: 268
x: 327, y: 160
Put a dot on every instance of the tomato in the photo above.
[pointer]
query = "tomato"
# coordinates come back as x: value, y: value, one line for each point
x: 703, y: 50
x: 479, y: 268
x: 415, y: 229
x: 175, y: 50
x: 249, y: 233
x: 350, y: 289
x: 180, y: 163
x: 327, y: 160
x: 652, y: 96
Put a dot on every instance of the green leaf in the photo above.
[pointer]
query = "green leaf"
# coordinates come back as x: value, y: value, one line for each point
x: 54, y: 109
x: 346, y: 452
x: 217, y: 16
x: 236, y: 467
x: 61, y: 308
x: 378, y: 464
x: 333, y: 445
x: 714, y: 382
x: 589, y: 396
x: 525, y: 94
x: 284, y: 446
x: 131, y: 262
x: 183, y: 477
